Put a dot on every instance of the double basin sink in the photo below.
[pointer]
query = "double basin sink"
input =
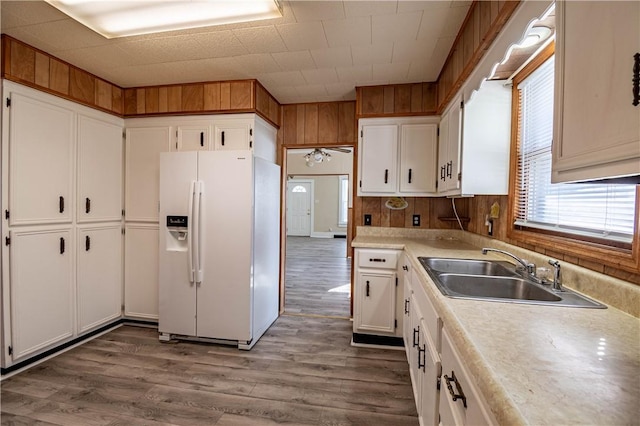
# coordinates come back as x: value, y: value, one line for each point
x: 496, y: 281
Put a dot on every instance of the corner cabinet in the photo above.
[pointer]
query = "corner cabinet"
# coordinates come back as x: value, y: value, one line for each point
x: 374, y: 304
x: 397, y: 156
x: 475, y: 141
x: 596, y: 124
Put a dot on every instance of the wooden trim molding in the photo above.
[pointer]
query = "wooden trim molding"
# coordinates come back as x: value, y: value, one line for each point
x: 32, y: 67
x: 397, y: 100
x: 318, y: 124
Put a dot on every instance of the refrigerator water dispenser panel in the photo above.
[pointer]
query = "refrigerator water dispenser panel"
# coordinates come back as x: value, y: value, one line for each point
x: 178, y: 230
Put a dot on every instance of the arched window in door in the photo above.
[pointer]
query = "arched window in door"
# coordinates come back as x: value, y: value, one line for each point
x: 299, y: 188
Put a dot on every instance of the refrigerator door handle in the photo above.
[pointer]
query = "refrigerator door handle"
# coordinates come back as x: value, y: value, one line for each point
x: 200, y: 238
x: 190, y: 233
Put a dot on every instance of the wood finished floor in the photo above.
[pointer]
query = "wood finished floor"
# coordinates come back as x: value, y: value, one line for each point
x: 303, y: 371
x: 317, y: 277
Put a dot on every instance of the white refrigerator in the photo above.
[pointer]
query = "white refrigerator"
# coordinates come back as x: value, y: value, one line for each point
x: 219, y: 248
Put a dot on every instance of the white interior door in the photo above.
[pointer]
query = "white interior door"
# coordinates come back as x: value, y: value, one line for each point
x: 299, y: 213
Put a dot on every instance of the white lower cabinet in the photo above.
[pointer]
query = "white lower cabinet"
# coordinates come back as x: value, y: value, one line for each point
x: 99, y: 275
x: 460, y: 402
x: 141, y: 271
x: 429, y: 370
x: 375, y: 292
x: 41, y: 270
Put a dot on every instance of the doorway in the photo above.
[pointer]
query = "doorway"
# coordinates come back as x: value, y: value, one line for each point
x: 317, y: 269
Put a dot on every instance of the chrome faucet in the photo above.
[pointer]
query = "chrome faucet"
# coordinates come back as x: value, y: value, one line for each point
x: 557, y: 279
x: 529, y: 267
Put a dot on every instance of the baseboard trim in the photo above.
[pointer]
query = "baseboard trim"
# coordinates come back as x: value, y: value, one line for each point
x: 329, y: 234
x: 370, y: 339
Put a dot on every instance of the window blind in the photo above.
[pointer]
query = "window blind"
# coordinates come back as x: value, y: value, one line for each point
x: 594, y: 210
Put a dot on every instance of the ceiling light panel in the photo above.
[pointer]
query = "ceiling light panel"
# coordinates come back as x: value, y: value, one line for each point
x: 116, y: 18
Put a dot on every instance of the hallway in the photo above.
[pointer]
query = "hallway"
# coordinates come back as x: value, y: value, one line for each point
x: 317, y: 277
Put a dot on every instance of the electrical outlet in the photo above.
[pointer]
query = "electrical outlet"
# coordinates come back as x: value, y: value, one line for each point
x: 367, y: 220
x: 416, y: 220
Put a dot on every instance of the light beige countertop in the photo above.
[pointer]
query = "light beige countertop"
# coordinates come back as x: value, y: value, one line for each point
x: 535, y: 364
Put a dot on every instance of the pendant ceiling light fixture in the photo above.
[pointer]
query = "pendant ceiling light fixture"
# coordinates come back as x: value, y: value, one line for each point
x: 316, y: 156
x: 122, y: 18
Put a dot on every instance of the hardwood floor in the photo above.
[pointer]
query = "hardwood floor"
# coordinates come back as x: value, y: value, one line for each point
x: 303, y: 371
x: 317, y: 277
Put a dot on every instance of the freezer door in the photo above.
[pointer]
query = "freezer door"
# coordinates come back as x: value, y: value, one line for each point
x: 224, y: 296
x: 177, y: 292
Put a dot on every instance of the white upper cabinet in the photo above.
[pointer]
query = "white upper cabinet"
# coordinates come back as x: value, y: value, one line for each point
x: 41, y: 162
x: 596, y: 127
x: 233, y: 134
x: 378, y: 155
x: 99, y: 170
x: 475, y: 141
x: 418, y: 145
x: 193, y: 138
x: 144, y: 146
x: 448, y: 170
x: 397, y: 156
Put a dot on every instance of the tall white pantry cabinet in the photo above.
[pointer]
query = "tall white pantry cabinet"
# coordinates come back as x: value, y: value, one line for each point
x: 61, y: 221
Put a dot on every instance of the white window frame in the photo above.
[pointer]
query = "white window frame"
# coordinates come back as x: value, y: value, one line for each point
x: 343, y: 200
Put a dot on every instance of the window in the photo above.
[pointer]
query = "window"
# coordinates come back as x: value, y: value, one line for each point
x: 299, y: 188
x: 604, y: 212
x: 343, y: 200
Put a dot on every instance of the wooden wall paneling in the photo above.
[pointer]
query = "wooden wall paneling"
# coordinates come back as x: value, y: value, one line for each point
x: 372, y: 100
x: 347, y: 124
x: 241, y: 95
x: 397, y: 218
x: 289, y: 127
x: 42, y: 70
x: 357, y: 213
x: 485, y: 20
x: 130, y: 102
x: 211, y: 96
x: 408, y: 212
x: 261, y: 99
x: 225, y: 95
x: 6, y: 56
x: 310, y: 123
x: 192, y: 97
x: 103, y: 96
x: 300, y: 117
x: 58, y: 76
x: 388, y: 99
x: 422, y: 206
x: 402, y: 98
x: 163, y: 99
x: 174, y: 98
x: 416, y: 97
x: 152, y: 100
x: 429, y: 97
x: 328, y: 122
x: 23, y: 62
x: 82, y: 86
x: 371, y: 205
x: 117, y: 100
x: 274, y: 111
x: 141, y: 101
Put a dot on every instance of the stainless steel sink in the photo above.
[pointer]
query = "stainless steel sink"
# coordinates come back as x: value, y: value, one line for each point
x: 468, y: 266
x: 496, y: 281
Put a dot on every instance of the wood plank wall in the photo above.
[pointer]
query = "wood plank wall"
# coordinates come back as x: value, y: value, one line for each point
x: 397, y: 100
x: 484, y: 21
x: 31, y: 67
x: 311, y: 124
x: 237, y: 96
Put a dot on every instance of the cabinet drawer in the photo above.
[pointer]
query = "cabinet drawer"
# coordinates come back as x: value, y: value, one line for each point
x: 382, y: 259
x: 469, y: 409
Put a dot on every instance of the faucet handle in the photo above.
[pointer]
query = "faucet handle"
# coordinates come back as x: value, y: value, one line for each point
x: 557, y: 278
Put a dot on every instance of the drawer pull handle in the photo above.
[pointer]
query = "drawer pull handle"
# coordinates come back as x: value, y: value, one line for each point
x: 386, y: 175
x: 405, y: 267
x: 406, y: 306
x: 421, y: 364
x: 367, y: 291
x: 636, y: 79
x: 449, y: 168
x: 416, y: 340
x: 409, y: 175
x: 61, y: 245
x: 442, y: 173
x: 87, y: 205
x: 61, y: 204
x: 460, y: 394
x: 87, y: 243
x: 377, y: 260
x: 201, y: 138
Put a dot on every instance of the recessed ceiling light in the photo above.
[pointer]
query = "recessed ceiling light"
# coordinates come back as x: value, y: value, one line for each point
x: 114, y: 18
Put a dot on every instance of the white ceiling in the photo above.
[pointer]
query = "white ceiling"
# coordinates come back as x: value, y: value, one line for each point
x: 318, y: 51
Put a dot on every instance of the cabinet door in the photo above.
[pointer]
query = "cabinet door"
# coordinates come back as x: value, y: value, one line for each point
x: 597, y: 127
x: 99, y: 170
x: 376, y: 297
x: 451, y: 150
x: 429, y: 372
x: 233, y: 134
x: 41, y: 166
x: 41, y: 265
x: 415, y: 342
x: 406, y: 320
x: 378, y: 155
x: 144, y: 146
x: 99, y: 278
x: 418, y: 150
x: 443, y: 152
x: 141, y: 271
x: 193, y: 138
